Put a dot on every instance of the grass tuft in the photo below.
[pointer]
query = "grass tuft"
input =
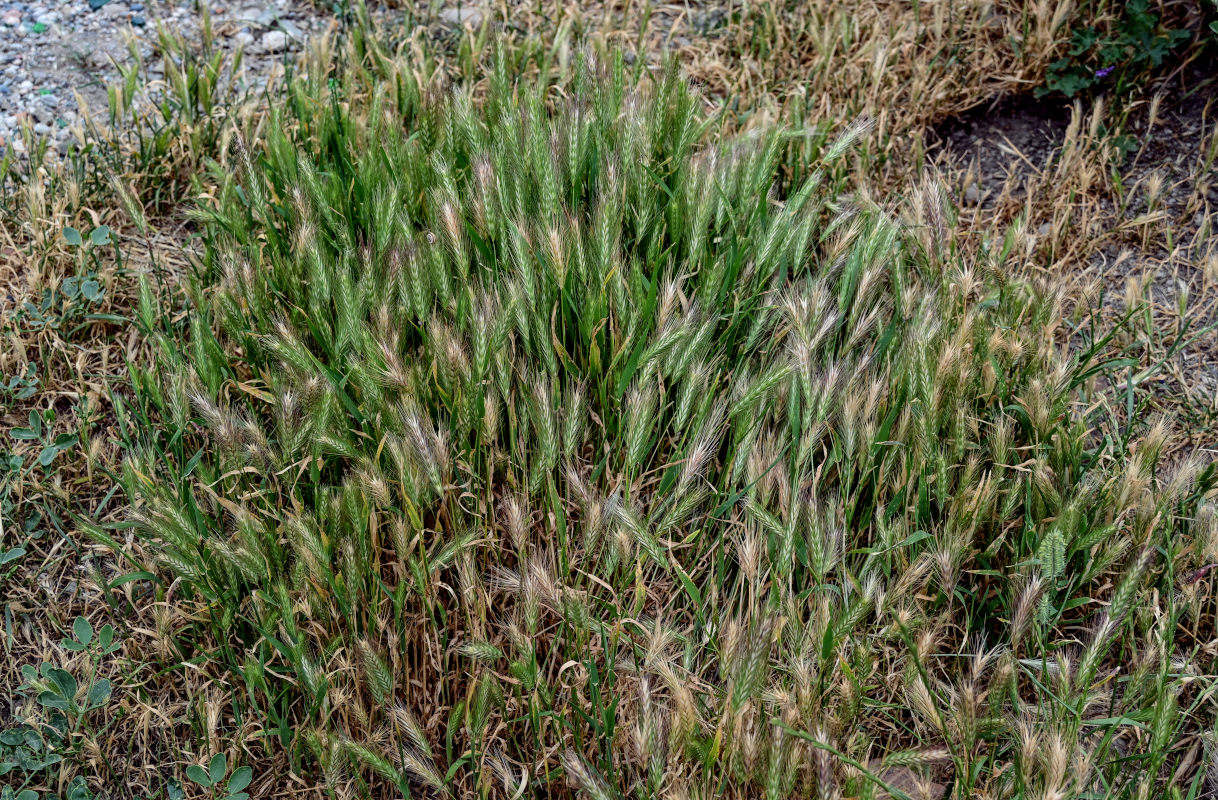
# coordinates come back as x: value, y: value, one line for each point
x: 532, y: 438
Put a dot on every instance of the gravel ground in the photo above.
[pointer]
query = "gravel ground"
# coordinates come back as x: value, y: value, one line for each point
x: 52, y: 50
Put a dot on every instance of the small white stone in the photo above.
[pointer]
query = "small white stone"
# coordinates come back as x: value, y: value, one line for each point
x: 462, y: 15
x: 274, y: 42
x: 247, y: 15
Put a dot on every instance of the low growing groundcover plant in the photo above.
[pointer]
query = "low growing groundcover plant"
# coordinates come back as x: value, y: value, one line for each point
x: 527, y: 437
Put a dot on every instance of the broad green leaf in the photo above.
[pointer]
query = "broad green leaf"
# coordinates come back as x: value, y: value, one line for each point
x: 78, y: 789
x: 241, y: 778
x: 53, y: 700
x: 92, y: 290
x: 99, y: 693
x: 217, y: 768
x: 62, y: 681
x: 48, y: 455
x: 198, y: 775
x: 83, y: 630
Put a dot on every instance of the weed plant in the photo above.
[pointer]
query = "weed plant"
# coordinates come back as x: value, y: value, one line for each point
x: 542, y: 437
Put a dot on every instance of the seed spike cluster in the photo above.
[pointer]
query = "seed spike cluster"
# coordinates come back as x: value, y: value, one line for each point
x: 550, y: 441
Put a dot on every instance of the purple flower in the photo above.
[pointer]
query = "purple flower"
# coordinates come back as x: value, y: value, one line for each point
x: 1103, y: 72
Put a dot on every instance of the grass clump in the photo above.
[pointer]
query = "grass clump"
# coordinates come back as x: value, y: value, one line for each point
x: 522, y: 439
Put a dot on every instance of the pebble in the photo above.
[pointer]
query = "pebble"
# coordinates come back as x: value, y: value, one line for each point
x: 12, y: 19
x: 138, y: 21
x: 273, y: 42
x: 462, y: 15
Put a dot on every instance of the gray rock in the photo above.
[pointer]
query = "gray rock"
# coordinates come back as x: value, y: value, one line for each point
x: 972, y: 195
x: 273, y: 42
x: 248, y: 15
x: 97, y: 59
x: 291, y: 30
